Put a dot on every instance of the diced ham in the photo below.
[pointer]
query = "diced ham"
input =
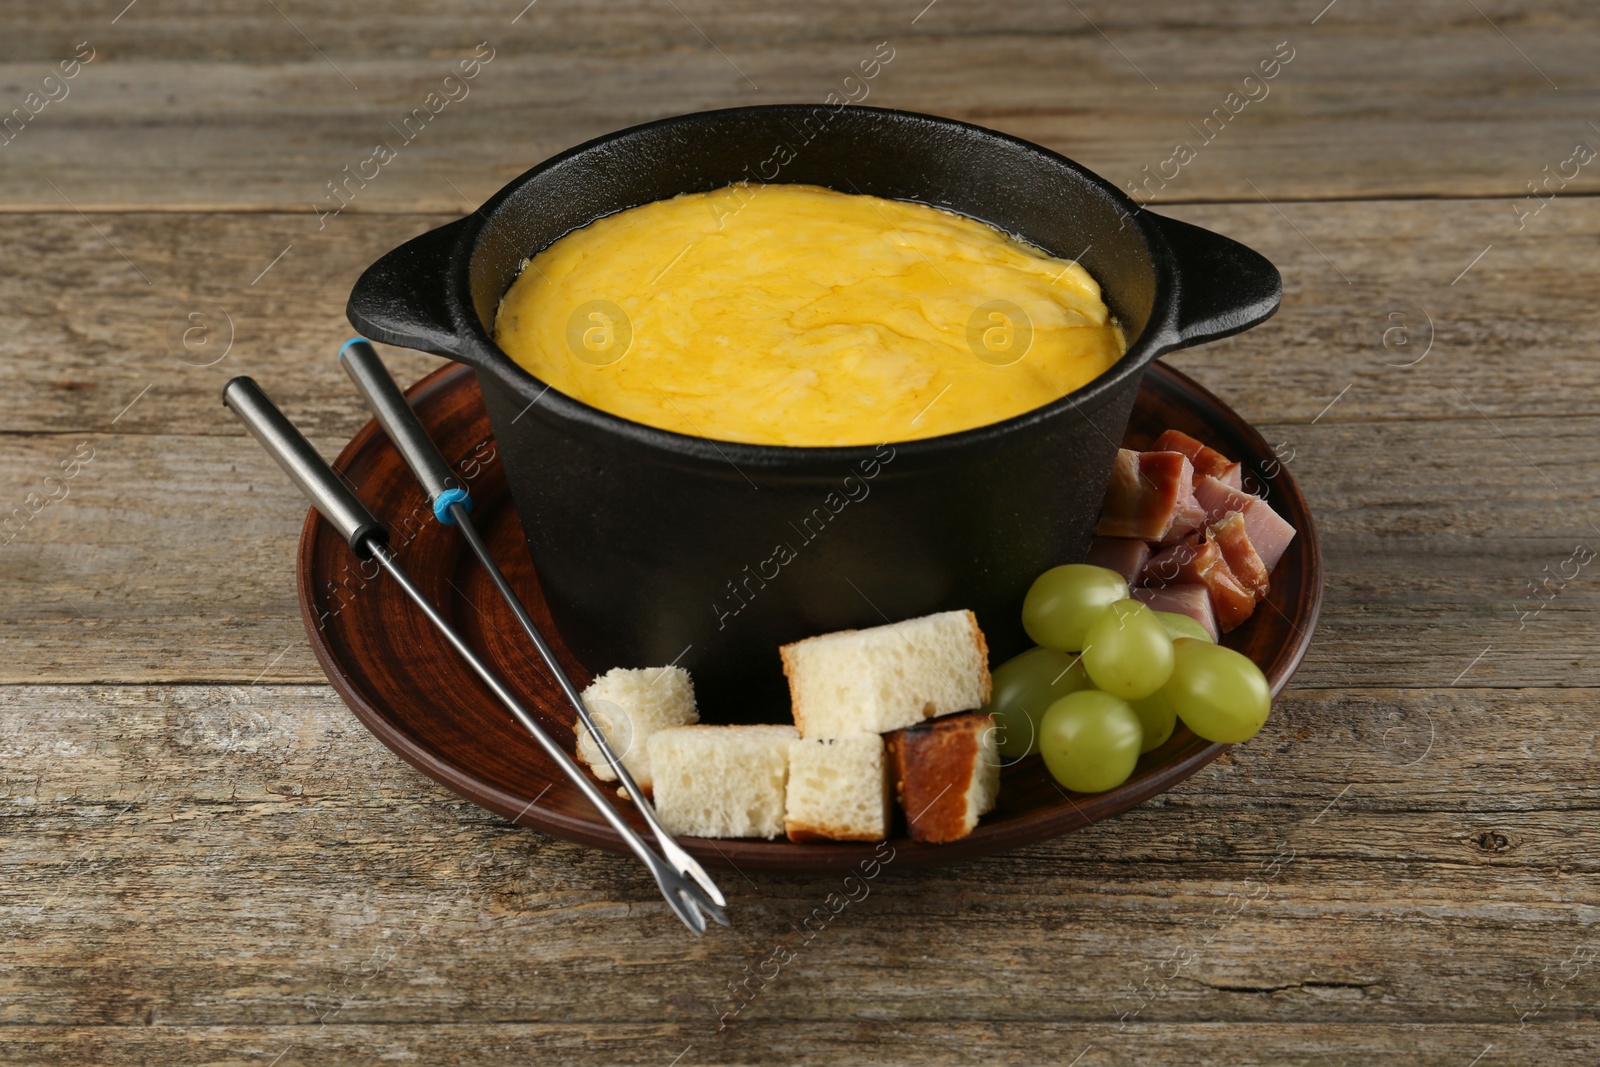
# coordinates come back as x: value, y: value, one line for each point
x: 1242, y: 559
x: 1200, y: 560
x: 1185, y: 561
x: 1125, y: 555
x: 1190, y: 517
x: 1214, y: 545
x: 1220, y: 499
x: 1207, y: 461
x: 1149, y: 493
x: 1191, y: 599
x: 1269, y: 533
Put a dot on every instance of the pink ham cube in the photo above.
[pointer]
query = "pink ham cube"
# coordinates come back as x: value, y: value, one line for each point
x: 1150, y: 493
x: 1125, y: 555
x: 1199, y: 561
x: 1267, y: 530
x: 1193, y: 600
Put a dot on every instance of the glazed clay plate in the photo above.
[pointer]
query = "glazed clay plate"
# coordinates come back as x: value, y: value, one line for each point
x: 408, y: 688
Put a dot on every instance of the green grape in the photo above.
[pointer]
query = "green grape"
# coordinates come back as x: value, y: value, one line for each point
x: 1090, y: 741
x: 1156, y: 718
x: 1063, y: 602
x: 1024, y: 688
x: 1218, y: 693
x: 1127, y: 651
x: 1182, y: 626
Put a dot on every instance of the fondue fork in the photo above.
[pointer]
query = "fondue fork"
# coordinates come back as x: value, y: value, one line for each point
x: 369, y: 540
x: 451, y: 506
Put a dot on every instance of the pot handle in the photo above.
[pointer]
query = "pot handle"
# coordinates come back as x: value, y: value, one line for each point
x: 1223, y: 287
x: 401, y: 299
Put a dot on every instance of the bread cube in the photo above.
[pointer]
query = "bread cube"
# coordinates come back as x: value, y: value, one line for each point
x: 838, y: 789
x: 888, y: 677
x: 721, y: 781
x: 946, y: 773
x: 629, y: 706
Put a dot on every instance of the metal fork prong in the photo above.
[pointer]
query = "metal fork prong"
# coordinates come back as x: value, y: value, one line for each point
x: 400, y: 422
x: 697, y: 917
x: 696, y: 896
x: 683, y: 905
x: 716, y: 913
x: 680, y: 890
x: 706, y: 908
x: 690, y: 867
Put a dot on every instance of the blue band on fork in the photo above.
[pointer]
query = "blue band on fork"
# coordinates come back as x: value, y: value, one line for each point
x: 442, y: 502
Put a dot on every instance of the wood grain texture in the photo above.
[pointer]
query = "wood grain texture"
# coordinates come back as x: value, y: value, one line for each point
x: 251, y: 108
x: 244, y: 32
x: 864, y: 1038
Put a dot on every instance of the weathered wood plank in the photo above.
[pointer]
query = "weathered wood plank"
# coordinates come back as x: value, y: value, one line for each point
x: 1379, y: 751
x: 324, y: 882
x: 864, y: 1037
x: 171, y: 558
x: 1429, y: 102
x: 244, y: 32
x: 87, y: 335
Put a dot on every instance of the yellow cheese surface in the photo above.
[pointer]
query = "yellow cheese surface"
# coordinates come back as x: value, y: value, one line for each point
x: 795, y: 315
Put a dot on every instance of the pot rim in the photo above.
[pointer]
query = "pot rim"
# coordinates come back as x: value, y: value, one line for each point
x: 474, y: 344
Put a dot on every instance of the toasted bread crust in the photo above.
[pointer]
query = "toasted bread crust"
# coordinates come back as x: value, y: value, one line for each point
x: 933, y: 766
x: 819, y: 832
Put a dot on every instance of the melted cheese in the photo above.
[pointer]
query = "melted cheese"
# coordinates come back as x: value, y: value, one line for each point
x: 795, y: 315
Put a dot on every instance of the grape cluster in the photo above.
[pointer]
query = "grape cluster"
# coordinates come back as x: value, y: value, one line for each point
x: 1136, y: 672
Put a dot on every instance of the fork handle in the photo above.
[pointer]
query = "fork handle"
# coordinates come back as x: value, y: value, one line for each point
x: 390, y: 407
x: 303, y: 464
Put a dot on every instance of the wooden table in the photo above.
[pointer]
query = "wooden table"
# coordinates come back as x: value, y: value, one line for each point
x: 207, y: 860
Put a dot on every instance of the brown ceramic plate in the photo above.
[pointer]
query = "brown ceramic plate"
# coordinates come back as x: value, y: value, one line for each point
x: 406, y: 685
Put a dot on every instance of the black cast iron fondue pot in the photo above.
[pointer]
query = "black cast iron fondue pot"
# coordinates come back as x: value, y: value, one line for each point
x: 655, y: 547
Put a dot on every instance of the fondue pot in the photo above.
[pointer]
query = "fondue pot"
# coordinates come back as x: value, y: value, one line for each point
x: 654, y: 547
